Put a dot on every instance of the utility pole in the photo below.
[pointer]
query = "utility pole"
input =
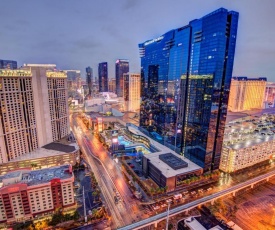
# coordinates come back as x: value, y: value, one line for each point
x: 85, y: 214
x: 167, y: 219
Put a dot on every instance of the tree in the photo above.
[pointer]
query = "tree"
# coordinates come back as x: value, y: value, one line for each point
x: 76, y: 215
x: 56, y: 219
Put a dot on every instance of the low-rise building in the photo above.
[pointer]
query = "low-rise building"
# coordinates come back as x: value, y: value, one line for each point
x: 168, y: 169
x: 26, y: 194
x: 53, y: 154
x: 248, y: 141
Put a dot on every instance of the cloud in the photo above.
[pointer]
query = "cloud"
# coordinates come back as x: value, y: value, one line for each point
x: 86, y: 44
x: 129, y: 4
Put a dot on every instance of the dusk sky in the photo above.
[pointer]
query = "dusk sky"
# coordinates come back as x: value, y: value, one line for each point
x: 76, y: 34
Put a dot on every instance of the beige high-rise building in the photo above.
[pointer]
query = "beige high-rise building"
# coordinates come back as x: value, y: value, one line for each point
x: 246, y: 93
x: 269, y: 101
x: 34, y: 110
x: 112, y: 85
x: 131, y: 91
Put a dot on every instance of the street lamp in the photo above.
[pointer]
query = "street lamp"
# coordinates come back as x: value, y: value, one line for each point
x: 85, y: 215
x: 167, y: 219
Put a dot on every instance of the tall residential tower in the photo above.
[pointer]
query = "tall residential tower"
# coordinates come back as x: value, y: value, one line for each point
x: 186, y: 76
x: 34, y: 109
x: 122, y: 66
x: 103, y: 76
x: 89, y: 79
x: 131, y: 91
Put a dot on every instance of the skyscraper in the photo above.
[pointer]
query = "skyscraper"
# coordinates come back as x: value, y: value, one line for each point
x: 8, y: 64
x: 269, y: 101
x: 73, y: 79
x: 122, y: 66
x: 34, y: 109
x: 190, y: 68
x: 103, y: 76
x: 131, y: 91
x: 246, y: 93
x: 89, y: 79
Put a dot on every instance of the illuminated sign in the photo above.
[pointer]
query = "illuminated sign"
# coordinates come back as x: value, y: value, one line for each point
x: 13, y: 189
x: 15, y: 73
x: 115, y: 140
x: 122, y: 60
x: 54, y: 74
x: 153, y: 40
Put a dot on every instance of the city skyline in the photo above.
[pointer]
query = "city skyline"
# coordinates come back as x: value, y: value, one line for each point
x: 65, y: 40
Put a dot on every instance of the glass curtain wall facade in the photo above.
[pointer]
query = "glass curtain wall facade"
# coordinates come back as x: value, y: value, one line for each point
x: 8, y: 64
x: 103, y: 76
x: 192, y: 66
x: 122, y: 66
x: 89, y: 79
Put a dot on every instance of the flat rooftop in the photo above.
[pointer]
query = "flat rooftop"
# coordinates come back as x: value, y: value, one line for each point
x: 167, y: 170
x: 49, y: 150
x: 255, y: 112
x: 36, y: 177
x: 249, y: 131
x: 173, y: 161
x: 193, y: 224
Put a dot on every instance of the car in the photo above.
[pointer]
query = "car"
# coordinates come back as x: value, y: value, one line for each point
x: 156, y: 207
x: 163, y: 205
x: 132, y: 166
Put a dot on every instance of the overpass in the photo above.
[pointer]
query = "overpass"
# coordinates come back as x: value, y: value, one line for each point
x: 211, y: 198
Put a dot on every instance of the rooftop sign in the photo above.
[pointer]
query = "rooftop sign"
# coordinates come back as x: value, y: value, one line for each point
x: 15, y: 73
x: 153, y: 40
x: 55, y: 74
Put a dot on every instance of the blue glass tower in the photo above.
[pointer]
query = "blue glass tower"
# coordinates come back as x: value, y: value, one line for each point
x: 89, y: 79
x: 103, y: 76
x: 8, y: 64
x: 190, y: 68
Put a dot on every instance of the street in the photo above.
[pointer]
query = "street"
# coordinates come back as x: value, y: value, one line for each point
x: 108, y: 175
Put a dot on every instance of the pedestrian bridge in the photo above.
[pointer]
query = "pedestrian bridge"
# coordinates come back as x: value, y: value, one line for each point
x: 187, y: 207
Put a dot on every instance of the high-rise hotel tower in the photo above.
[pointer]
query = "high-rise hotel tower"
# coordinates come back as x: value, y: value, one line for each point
x: 185, y: 76
x: 122, y: 66
x: 103, y: 76
x: 34, y: 109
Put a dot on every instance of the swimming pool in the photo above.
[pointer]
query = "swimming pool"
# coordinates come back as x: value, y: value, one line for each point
x: 122, y: 141
x: 157, y: 136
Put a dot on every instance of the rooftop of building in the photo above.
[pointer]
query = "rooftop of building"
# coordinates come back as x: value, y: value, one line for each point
x: 231, y: 116
x: 25, y: 72
x: 35, y: 177
x: 170, y: 171
x: 249, y: 131
x: 243, y: 78
x: 41, y: 65
x: 55, y: 148
x: 194, y: 224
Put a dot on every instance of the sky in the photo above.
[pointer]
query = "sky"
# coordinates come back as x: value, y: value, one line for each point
x: 75, y: 34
